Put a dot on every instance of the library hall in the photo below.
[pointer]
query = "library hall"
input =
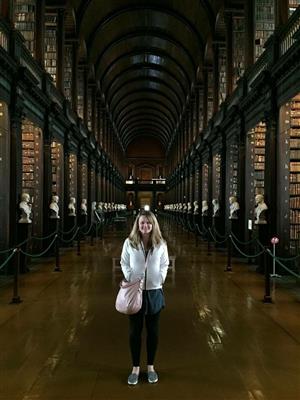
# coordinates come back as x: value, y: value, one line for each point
x: 150, y: 199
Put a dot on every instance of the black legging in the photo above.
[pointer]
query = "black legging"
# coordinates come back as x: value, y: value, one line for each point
x: 135, y: 336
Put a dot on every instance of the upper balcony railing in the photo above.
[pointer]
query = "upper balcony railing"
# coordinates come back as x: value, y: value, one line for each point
x: 287, y: 34
x: 154, y: 181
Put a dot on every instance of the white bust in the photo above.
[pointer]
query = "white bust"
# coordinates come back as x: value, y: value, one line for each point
x: 54, y: 208
x: 83, y: 207
x: 71, y: 207
x: 196, y: 207
x: 25, y: 209
x: 189, y: 207
x: 260, y: 210
x: 184, y: 207
x: 233, y: 208
x: 216, y: 207
x: 204, y: 208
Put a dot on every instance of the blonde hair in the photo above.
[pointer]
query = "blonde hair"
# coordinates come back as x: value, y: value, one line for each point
x: 155, y: 234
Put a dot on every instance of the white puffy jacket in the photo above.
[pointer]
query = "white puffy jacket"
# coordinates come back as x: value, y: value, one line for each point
x: 133, y: 264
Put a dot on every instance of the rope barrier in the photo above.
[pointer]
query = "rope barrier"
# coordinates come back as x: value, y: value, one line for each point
x: 40, y: 254
x: 218, y: 234
x: 214, y: 238
x: 288, y: 258
x: 72, y: 238
x: 8, y: 258
x: 282, y: 265
x: 244, y: 254
x: 198, y: 229
x: 90, y: 228
x: 43, y: 238
x: 68, y: 232
x: 247, y: 242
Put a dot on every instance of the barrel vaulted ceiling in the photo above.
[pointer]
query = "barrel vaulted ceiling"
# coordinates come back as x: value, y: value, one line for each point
x: 145, y: 56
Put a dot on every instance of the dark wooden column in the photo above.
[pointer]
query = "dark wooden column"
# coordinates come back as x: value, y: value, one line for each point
x: 15, y: 165
x: 197, y: 111
x: 75, y: 50
x: 68, y: 136
x: 216, y: 79
x: 281, y: 12
x: 60, y: 49
x: 85, y: 95
x: 271, y: 188
x: 249, y: 32
x: 40, y: 32
x: 47, y: 173
x: 229, y: 54
x: 205, y: 97
x: 223, y: 175
x: 240, y: 126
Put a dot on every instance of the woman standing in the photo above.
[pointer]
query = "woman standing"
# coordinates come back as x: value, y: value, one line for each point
x: 145, y: 255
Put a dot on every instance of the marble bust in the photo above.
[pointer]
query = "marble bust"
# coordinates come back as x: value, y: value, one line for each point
x: 233, y: 208
x: 71, y: 207
x: 216, y: 208
x: 83, y: 207
x: 54, y: 208
x: 260, y: 210
x: 204, y: 208
x: 25, y: 209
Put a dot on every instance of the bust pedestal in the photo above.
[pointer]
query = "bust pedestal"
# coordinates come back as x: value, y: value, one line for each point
x: 217, y: 230
x: 234, y: 228
x: 23, y: 234
x: 71, y: 221
x: 263, y: 238
x: 206, y: 224
x: 82, y: 223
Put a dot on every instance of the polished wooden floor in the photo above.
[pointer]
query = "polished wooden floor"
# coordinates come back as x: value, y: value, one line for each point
x: 218, y: 339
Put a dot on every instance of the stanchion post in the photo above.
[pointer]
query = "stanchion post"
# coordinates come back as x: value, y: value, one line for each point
x: 267, y: 296
x: 229, y: 252
x: 57, y: 260
x: 16, y: 298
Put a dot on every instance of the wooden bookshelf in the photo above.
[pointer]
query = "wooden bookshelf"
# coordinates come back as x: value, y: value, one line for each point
x: 264, y: 24
x: 25, y: 21
x: 80, y: 93
x: 56, y: 165
x: 238, y: 23
x: 205, y: 171
x: 32, y: 169
x: 210, y: 94
x: 294, y: 181
x: 51, y: 44
x: 216, y: 176
x: 93, y: 185
x: 84, y: 180
x: 68, y: 72
x: 72, y: 175
x: 233, y: 162
x: 257, y: 137
x: 222, y: 74
x: 90, y: 98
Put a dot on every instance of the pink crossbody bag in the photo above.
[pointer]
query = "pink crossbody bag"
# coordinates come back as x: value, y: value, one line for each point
x: 130, y: 296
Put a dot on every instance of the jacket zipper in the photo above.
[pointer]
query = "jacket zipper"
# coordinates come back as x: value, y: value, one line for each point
x: 146, y: 294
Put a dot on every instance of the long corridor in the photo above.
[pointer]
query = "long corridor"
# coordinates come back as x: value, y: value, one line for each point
x: 218, y: 340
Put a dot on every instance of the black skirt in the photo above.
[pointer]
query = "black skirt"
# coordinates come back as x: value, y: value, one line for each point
x: 153, y: 301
